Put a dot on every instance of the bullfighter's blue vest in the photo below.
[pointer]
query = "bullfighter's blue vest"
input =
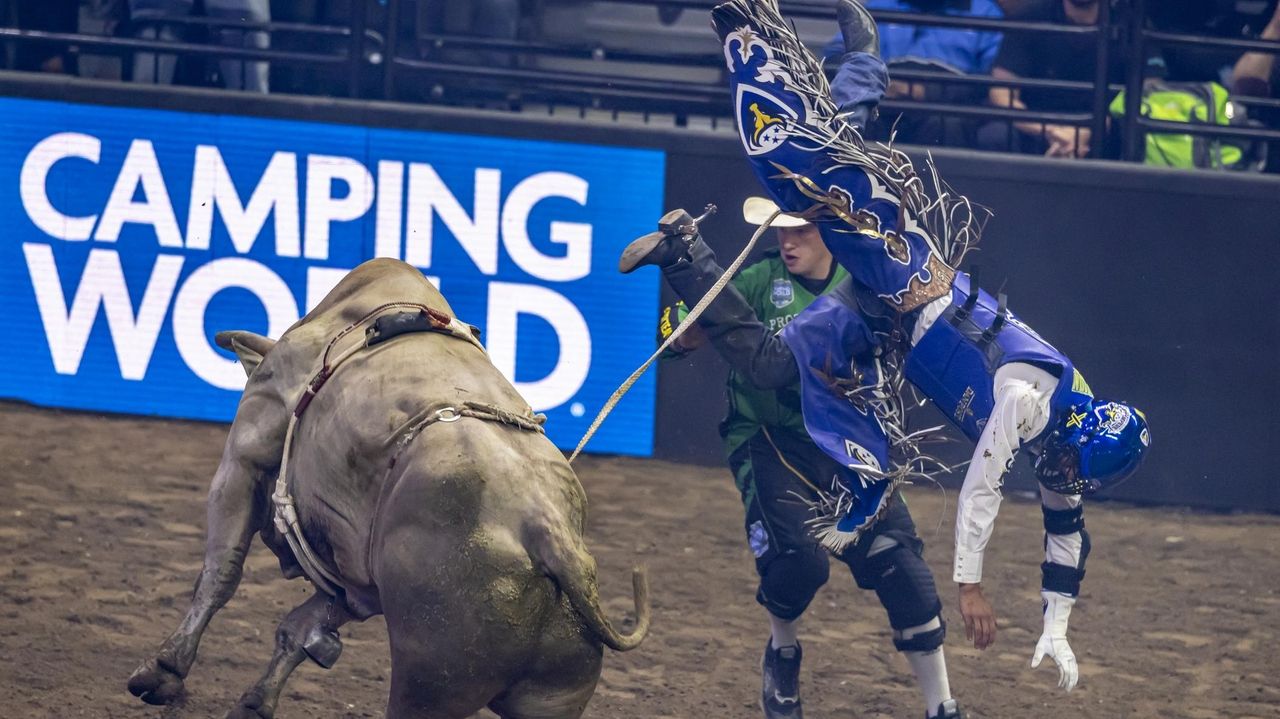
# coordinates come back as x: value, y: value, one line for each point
x: 955, y: 362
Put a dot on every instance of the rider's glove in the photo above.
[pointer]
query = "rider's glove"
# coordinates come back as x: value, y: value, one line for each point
x: 1053, y: 642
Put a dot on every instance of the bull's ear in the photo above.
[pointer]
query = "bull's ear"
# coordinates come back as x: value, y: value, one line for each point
x: 249, y: 348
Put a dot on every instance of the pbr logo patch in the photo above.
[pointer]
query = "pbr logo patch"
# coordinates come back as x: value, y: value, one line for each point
x: 758, y: 538
x: 782, y: 293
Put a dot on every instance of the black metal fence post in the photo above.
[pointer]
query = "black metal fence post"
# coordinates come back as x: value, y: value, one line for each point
x: 1101, y: 78
x: 1134, y: 137
x: 392, y: 50
x: 355, y: 59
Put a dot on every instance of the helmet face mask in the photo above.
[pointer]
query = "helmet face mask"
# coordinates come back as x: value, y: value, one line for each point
x: 1058, y: 467
x: 1097, y: 446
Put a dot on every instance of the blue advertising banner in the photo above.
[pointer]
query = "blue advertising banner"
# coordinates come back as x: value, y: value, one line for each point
x: 132, y: 236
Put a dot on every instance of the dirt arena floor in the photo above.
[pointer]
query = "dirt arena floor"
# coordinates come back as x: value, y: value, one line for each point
x: 102, y: 527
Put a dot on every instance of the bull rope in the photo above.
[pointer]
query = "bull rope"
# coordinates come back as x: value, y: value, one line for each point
x: 689, y: 320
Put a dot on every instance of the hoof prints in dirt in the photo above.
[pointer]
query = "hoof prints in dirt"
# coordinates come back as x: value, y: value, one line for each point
x: 103, y: 535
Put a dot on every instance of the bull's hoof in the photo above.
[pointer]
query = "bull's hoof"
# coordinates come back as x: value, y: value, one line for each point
x: 154, y: 684
x: 251, y: 706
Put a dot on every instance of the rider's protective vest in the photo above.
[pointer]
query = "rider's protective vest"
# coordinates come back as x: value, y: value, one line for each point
x: 954, y: 364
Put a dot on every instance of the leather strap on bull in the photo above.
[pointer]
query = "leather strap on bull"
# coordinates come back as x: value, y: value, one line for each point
x: 382, y: 324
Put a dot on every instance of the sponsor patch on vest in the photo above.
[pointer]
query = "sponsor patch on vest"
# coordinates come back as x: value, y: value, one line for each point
x: 962, y: 408
x: 782, y: 293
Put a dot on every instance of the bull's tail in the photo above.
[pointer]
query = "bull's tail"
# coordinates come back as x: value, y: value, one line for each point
x: 563, y: 556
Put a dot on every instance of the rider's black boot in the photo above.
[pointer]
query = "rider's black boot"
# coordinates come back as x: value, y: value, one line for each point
x: 690, y: 267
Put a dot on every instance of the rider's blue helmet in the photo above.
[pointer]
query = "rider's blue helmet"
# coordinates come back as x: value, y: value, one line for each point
x: 1096, y: 445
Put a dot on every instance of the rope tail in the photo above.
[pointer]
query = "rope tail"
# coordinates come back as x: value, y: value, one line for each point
x: 679, y: 330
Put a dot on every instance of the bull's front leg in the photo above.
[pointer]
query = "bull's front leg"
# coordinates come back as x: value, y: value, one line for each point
x: 309, y: 631
x: 232, y: 518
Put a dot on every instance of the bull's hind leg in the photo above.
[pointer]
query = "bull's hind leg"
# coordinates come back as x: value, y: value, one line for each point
x: 561, y: 697
x: 235, y: 511
x: 309, y: 631
x: 561, y: 680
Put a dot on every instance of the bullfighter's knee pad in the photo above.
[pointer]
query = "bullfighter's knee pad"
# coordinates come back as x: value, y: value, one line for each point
x: 789, y: 582
x: 904, y: 584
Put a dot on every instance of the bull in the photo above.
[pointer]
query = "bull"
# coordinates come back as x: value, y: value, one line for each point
x: 419, y: 486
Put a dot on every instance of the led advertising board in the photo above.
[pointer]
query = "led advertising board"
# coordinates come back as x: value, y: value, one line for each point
x: 132, y: 236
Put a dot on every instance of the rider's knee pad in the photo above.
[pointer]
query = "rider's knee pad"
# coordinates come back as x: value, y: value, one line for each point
x: 789, y: 582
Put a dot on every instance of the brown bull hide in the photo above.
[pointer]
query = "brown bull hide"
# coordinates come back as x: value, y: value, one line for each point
x: 466, y: 534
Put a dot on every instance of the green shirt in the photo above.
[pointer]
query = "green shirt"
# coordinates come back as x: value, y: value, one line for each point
x: 777, y: 296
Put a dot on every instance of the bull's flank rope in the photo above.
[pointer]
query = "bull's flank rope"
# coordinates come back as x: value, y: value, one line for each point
x: 285, y: 511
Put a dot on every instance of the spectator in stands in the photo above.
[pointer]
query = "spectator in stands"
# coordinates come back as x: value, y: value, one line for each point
x: 931, y: 49
x: 1254, y: 75
x: 1224, y: 18
x: 971, y: 52
x: 1254, y: 72
x: 1051, y: 57
x: 48, y: 16
x: 148, y: 18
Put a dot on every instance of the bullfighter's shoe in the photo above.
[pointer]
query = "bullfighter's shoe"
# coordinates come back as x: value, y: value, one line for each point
x: 780, y: 675
x: 947, y: 710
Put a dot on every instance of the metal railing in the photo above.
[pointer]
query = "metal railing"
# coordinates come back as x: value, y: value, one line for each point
x: 386, y: 52
x: 346, y: 55
x: 1135, y: 124
x: 598, y: 87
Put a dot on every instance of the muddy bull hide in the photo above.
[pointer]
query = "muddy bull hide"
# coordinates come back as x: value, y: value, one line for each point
x: 466, y: 534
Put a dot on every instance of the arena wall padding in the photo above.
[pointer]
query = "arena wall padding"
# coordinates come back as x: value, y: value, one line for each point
x: 1160, y: 284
